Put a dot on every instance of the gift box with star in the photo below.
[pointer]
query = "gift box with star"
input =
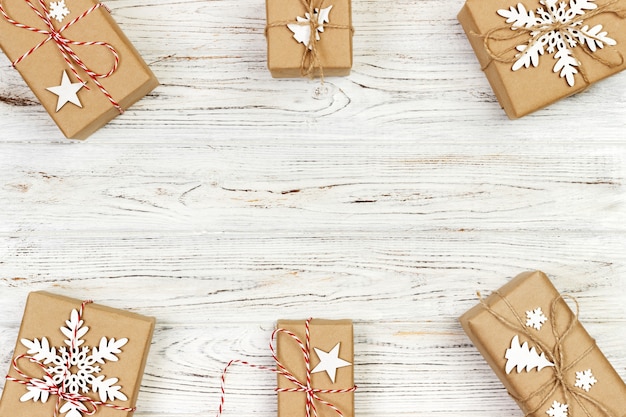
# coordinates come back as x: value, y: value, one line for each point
x: 543, y: 355
x: 330, y: 362
x: 76, y: 359
x: 75, y: 59
x: 309, y: 38
x: 535, y: 52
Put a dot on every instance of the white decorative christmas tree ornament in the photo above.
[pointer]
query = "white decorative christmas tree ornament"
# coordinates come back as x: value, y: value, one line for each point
x: 58, y: 10
x: 524, y: 357
x: 535, y: 318
x: 585, y: 380
x: 74, y: 367
x: 558, y: 410
x: 66, y: 92
x: 555, y: 29
x: 302, y: 30
x: 329, y: 362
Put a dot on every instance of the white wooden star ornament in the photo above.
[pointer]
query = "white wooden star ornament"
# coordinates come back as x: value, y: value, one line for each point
x: 330, y: 362
x: 66, y: 92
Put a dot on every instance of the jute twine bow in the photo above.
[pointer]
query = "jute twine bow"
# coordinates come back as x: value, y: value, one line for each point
x: 87, y: 405
x: 65, y: 45
x: 300, y: 386
x: 555, y: 355
x: 541, y: 29
x: 310, y: 58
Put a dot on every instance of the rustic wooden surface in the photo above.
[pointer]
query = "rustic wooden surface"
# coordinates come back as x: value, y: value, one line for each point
x: 226, y: 200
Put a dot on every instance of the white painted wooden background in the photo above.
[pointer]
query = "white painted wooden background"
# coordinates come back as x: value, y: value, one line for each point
x: 226, y: 200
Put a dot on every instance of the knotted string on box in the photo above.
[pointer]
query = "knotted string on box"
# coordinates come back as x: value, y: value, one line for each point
x: 310, y: 58
x: 87, y: 405
x: 541, y: 29
x: 312, y: 394
x: 65, y: 45
x: 555, y: 355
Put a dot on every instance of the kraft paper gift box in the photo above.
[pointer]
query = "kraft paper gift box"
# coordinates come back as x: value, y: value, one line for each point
x: 330, y: 340
x: 45, y: 70
x: 110, y: 351
x: 541, y: 352
x: 565, y: 49
x: 293, y: 52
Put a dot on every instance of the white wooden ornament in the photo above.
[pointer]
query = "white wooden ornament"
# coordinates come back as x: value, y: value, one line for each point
x: 302, y: 29
x: 557, y: 42
x: 585, y: 380
x: 329, y: 362
x: 535, y: 318
x: 558, y: 410
x: 522, y: 357
x: 67, y: 92
x: 75, y: 367
x: 58, y: 10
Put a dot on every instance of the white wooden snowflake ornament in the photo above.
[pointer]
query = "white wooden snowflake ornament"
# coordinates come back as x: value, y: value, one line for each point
x: 585, y: 380
x: 58, y: 10
x: 329, y: 362
x: 302, y: 30
x: 559, y: 42
x: 558, y: 410
x: 522, y: 357
x: 75, y: 367
x: 535, y: 318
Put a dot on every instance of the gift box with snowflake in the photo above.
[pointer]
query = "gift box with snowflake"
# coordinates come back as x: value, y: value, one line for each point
x: 75, y: 59
x: 535, y: 52
x: 308, y: 38
x: 76, y: 359
x: 542, y: 354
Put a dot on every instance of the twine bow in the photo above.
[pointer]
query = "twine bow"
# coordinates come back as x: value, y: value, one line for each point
x: 65, y: 45
x: 555, y: 355
x: 312, y: 394
x: 310, y: 61
x: 87, y: 405
x: 540, y: 29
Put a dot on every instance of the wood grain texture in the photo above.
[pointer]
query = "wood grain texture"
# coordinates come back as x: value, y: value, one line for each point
x: 226, y: 200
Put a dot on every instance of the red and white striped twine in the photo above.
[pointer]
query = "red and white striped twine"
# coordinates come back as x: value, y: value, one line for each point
x: 311, y: 393
x: 47, y: 384
x: 65, y: 45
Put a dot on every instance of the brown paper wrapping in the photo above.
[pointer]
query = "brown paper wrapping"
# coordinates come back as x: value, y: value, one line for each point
x: 528, y: 89
x: 284, y: 53
x: 44, y: 314
x: 325, y: 334
x: 44, y: 68
x: 492, y: 338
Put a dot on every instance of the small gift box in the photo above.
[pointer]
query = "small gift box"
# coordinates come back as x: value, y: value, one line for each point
x: 542, y: 354
x: 76, y: 359
x: 314, y: 364
x: 309, y: 38
x: 536, y: 52
x: 326, y: 360
x: 75, y: 59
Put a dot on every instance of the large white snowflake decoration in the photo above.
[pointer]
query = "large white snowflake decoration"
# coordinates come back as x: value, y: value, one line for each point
x: 557, y: 28
x: 558, y: 410
x: 585, y: 380
x: 535, y: 318
x: 74, y: 367
x: 302, y: 29
x: 58, y: 10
